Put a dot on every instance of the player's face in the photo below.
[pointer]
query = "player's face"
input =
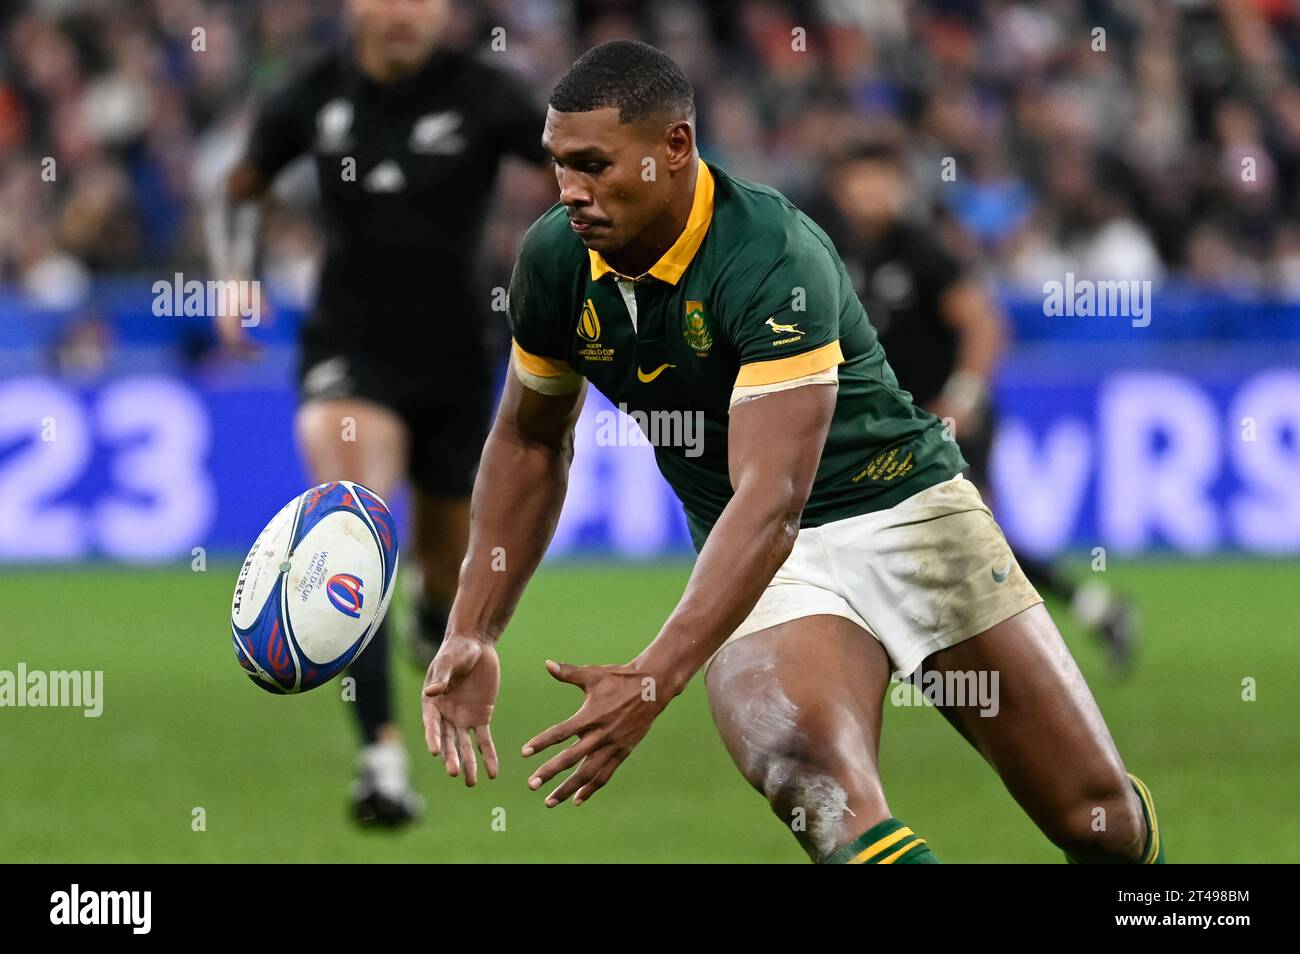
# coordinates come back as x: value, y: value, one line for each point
x: 613, y: 177
x: 869, y: 192
x: 403, y: 32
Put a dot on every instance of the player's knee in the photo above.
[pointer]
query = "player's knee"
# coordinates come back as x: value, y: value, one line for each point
x: 785, y: 781
x: 1101, y: 827
x: 825, y: 806
x: 811, y: 800
x: 809, y: 784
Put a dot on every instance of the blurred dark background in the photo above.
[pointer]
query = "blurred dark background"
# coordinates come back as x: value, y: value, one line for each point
x: 1126, y: 159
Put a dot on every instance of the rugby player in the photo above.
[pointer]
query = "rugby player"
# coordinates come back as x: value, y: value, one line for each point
x: 838, y: 542
x: 395, y: 377
x: 944, y: 338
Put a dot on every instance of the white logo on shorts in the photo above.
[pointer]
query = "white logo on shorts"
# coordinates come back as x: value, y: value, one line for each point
x: 1001, y: 573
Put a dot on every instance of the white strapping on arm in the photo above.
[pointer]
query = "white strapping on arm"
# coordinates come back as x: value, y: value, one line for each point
x: 829, y: 376
x: 553, y: 382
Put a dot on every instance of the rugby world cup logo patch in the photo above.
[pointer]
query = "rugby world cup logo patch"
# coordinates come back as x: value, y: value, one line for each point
x: 589, y: 323
x: 344, y: 591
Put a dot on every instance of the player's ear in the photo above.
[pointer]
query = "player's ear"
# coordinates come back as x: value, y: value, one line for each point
x: 680, y: 144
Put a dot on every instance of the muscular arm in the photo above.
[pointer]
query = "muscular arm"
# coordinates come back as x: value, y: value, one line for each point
x: 774, y: 446
x: 522, y: 478
x: 518, y: 494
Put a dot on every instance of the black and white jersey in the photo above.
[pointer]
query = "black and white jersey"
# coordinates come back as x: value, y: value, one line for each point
x: 406, y: 173
x: 900, y: 280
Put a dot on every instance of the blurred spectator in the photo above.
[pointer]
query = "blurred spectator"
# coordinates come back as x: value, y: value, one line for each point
x: 1104, y: 137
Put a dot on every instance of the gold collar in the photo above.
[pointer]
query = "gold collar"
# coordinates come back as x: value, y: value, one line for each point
x: 672, y: 265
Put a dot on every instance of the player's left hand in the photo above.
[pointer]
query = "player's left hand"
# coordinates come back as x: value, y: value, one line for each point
x: 620, y: 707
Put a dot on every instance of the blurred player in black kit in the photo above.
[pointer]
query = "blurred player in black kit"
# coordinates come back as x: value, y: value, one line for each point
x: 943, y: 337
x: 395, y: 376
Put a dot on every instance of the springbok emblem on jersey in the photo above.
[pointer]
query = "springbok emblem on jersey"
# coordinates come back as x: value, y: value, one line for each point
x: 780, y: 329
x: 696, y: 328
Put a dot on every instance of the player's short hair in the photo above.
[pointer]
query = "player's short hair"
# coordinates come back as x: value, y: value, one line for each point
x: 637, y: 78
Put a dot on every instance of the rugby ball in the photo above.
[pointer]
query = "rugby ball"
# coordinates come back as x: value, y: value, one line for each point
x: 314, y: 587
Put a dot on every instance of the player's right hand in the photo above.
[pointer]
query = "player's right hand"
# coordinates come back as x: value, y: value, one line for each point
x: 460, y: 691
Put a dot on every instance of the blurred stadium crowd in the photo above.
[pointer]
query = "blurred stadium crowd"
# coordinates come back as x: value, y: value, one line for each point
x: 1113, y: 138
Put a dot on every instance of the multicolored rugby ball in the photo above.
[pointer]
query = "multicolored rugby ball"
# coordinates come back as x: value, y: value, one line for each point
x: 314, y: 587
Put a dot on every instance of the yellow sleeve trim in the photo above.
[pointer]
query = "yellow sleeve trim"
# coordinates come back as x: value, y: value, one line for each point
x: 787, y: 369
x: 539, y: 366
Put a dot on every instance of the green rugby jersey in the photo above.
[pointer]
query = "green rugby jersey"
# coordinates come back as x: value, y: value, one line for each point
x: 751, y: 294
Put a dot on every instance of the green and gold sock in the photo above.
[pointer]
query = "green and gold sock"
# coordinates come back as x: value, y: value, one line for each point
x: 1154, y: 851
x: 888, y: 843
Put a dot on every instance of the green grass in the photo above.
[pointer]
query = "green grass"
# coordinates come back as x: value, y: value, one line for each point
x: 183, y: 728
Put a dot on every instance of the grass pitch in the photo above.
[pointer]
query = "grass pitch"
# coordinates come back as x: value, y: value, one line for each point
x: 183, y: 729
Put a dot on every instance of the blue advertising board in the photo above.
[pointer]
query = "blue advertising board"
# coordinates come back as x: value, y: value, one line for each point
x: 1144, y: 442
